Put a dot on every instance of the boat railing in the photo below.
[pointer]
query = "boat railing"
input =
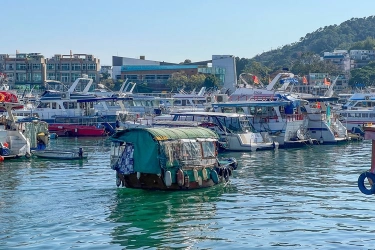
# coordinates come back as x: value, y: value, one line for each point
x: 265, y: 97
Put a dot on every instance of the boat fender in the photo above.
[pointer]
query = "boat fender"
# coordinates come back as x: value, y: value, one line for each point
x: 138, y: 175
x: 214, y: 177
x: 219, y: 171
x: 361, y: 183
x: 195, y: 171
x: 118, y: 179
x: 200, y: 181
x: 180, y: 177
x: 204, y: 174
x: 168, y: 178
x: 226, y: 174
x: 186, y: 181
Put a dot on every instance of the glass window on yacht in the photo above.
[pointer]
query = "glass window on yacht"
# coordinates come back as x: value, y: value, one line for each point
x: 372, y: 115
x: 365, y: 115
x: 357, y: 114
x: 350, y: 115
x: 54, y: 105
x: 43, y: 105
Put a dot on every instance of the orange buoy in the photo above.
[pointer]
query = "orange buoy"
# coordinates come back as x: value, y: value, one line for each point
x: 5, y: 144
x: 1, y: 158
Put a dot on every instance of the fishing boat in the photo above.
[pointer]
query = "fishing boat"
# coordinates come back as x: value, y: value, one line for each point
x: 168, y: 158
x: 60, y: 155
x: 17, y: 137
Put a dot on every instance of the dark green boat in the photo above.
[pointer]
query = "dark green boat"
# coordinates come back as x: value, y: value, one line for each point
x: 168, y: 158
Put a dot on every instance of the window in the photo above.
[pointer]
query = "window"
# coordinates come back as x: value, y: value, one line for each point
x: 51, y: 76
x: 20, y: 66
x: 50, y: 66
x: 150, y: 77
x: 54, y: 105
x: 74, y: 76
x: 65, y: 66
x: 91, y: 66
x: 131, y: 77
x: 37, y: 66
x: 83, y: 66
x: 65, y: 77
x: 76, y: 66
x: 92, y: 76
x: 20, y: 77
x: 37, y: 77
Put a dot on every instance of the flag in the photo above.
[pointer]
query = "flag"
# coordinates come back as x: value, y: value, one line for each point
x: 255, y: 80
x: 304, y: 80
x: 326, y: 81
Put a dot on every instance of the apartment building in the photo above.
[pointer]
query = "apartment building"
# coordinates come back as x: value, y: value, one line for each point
x: 67, y: 68
x: 23, y: 70
x: 31, y: 70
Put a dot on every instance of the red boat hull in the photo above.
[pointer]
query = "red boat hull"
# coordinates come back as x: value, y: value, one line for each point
x: 76, y: 130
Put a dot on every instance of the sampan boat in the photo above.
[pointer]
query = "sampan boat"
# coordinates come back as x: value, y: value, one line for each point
x: 168, y: 158
x: 60, y: 155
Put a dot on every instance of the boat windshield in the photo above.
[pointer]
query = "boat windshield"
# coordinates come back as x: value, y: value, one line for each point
x: 237, y: 124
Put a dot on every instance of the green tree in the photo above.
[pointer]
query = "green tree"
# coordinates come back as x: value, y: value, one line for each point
x: 177, y: 81
x: 196, y: 81
x: 211, y: 81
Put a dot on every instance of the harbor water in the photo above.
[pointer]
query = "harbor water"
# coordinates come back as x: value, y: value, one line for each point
x: 286, y: 199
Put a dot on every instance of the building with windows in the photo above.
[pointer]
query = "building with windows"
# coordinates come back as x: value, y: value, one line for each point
x: 31, y: 70
x: 156, y: 73
x: 340, y: 58
x: 67, y: 68
x: 24, y: 70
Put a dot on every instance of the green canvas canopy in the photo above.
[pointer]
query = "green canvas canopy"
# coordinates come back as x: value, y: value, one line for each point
x: 146, y: 146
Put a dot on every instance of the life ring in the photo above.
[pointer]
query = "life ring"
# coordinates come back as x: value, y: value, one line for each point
x: 361, y: 183
x: 2, y: 97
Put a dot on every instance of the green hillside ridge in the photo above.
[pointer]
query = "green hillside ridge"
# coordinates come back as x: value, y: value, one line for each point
x: 303, y: 56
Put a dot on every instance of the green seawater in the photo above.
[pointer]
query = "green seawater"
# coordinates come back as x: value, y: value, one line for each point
x: 286, y: 199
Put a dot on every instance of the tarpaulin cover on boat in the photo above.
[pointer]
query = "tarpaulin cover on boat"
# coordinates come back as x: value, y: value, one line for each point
x: 146, y: 146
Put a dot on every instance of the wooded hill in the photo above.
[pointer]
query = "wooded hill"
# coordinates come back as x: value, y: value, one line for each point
x: 303, y: 56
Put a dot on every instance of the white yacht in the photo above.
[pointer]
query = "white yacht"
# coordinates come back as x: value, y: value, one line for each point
x: 235, y: 131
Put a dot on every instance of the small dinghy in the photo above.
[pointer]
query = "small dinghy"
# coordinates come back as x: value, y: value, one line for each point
x: 60, y: 155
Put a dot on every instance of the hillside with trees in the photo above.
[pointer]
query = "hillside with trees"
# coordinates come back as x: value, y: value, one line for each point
x: 303, y: 56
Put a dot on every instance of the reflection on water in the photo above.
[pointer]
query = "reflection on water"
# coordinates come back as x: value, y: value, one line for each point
x: 295, y: 198
x: 166, y: 219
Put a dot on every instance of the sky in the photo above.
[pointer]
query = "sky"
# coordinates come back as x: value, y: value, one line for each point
x: 166, y: 30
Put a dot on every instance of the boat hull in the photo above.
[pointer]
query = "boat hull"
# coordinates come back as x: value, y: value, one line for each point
x: 156, y: 182
x: 76, y: 130
x: 59, y: 155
